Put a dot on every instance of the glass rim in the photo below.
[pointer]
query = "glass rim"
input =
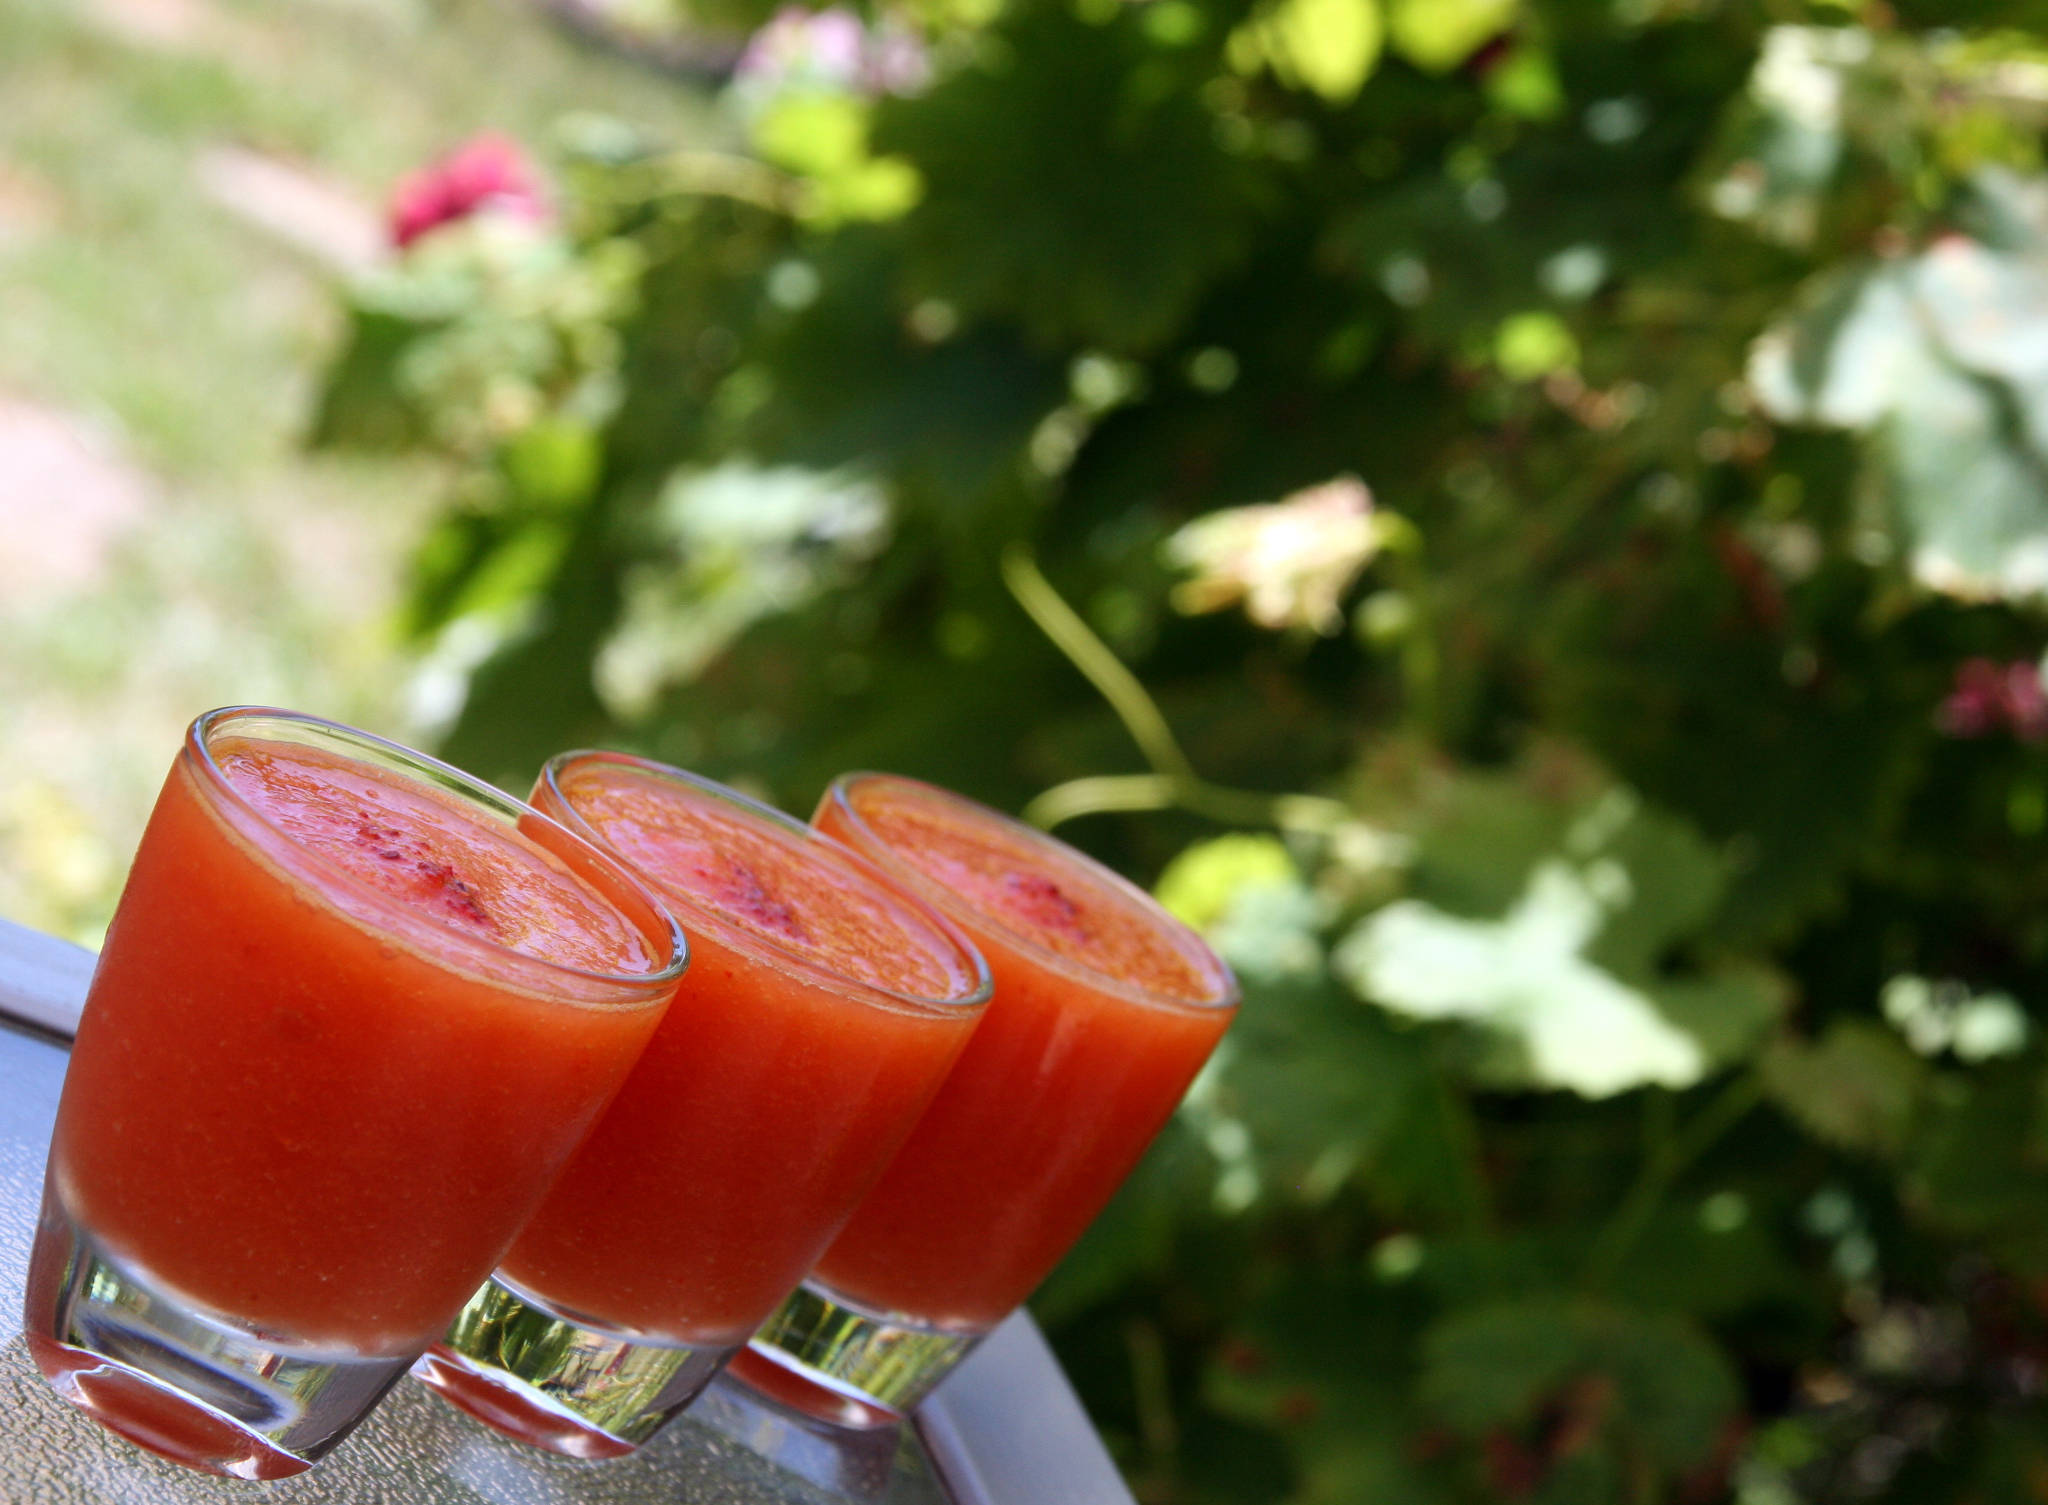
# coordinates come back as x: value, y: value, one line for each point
x: 710, y: 921
x: 402, y: 918
x: 1229, y: 993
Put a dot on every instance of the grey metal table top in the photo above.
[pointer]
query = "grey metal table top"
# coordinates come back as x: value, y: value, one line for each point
x: 1005, y: 1429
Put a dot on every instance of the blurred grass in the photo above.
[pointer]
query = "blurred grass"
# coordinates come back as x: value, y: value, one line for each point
x: 188, y: 339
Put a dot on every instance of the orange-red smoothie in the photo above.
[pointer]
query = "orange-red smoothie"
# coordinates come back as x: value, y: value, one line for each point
x: 345, y: 1030
x: 1105, y: 1007
x: 821, y: 1011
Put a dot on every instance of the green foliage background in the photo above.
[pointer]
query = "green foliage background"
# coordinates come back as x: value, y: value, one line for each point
x: 1638, y: 1094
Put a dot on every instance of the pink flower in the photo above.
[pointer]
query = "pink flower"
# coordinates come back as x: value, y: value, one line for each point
x: 2026, y: 704
x: 1989, y: 697
x: 488, y: 173
x: 833, y: 49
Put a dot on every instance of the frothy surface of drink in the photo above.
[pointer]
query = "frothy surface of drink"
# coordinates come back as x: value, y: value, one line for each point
x: 405, y: 840
x: 1037, y: 889
x: 800, y: 893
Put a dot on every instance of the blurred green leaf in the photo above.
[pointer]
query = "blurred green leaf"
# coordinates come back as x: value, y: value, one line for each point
x: 1786, y: 141
x: 1710, y: 1258
x: 1324, y: 1086
x: 854, y: 384
x: 1526, y: 84
x: 1564, y: 975
x: 553, y: 464
x: 824, y: 137
x: 547, y: 662
x: 1940, y: 358
x: 1677, y: 674
x: 1979, y: 1166
x: 1330, y: 46
x: 1530, y: 345
x: 1201, y: 884
x: 361, y: 404
x: 1320, y: 1356
x: 1857, y: 1087
x: 1437, y: 35
x: 724, y: 548
x: 1643, y: 1380
x: 1116, y: 205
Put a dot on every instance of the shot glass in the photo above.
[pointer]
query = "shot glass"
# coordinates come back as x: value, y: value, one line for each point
x: 1105, y: 1007
x: 354, y: 1012
x: 820, y: 1014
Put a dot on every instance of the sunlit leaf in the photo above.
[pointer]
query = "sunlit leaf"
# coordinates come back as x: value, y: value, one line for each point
x: 1329, y: 46
x: 553, y: 464
x: 729, y: 546
x: 1849, y: 357
x: 1940, y: 359
x: 1526, y: 976
x: 1201, y: 884
x: 1437, y: 35
x: 1533, y: 344
x: 824, y: 136
x: 818, y: 134
x: 1561, y: 970
x: 1526, y: 84
x: 1787, y: 144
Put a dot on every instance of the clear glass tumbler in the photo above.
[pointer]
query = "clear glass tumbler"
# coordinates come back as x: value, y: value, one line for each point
x: 354, y: 1012
x: 1105, y: 1007
x: 822, y: 1010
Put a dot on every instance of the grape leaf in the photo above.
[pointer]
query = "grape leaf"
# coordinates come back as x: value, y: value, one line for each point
x: 1675, y: 671
x: 1978, y: 1168
x: 1292, y: 1361
x: 1319, y: 1080
x: 1117, y: 207
x: 1672, y: 1389
x: 1785, y: 142
x: 1940, y: 357
x: 1544, y: 922
x: 1437, y: 35
x: 1328, y: 45
x: 1858, y: 1087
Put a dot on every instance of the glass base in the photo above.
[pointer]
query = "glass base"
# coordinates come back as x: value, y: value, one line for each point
x: 543, y: 1379
x: 866, y: 1465
x: 775, y: 1377
x: 190, y: 1385
x: 840, y: 1363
